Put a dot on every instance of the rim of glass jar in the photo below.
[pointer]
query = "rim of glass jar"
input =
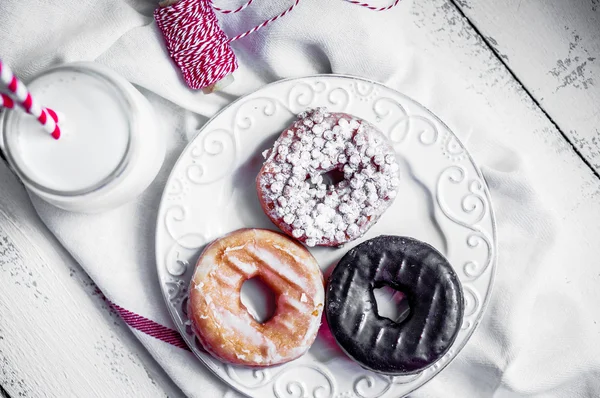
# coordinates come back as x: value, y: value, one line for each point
x: 122, y: 97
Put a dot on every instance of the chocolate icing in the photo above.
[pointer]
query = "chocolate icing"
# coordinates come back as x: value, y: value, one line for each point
x: 433, y: 291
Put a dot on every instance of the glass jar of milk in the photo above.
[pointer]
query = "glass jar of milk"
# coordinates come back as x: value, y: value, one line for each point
x: 111, y: 147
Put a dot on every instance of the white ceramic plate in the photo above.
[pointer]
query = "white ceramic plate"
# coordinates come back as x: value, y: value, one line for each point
x: 443, y: 200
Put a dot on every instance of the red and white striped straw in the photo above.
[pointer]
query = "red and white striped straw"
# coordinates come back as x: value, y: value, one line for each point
x: 6, y: 101
x: 46, y: 116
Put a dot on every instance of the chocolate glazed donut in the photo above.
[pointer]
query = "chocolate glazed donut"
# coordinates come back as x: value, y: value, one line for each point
x: 434, y: 295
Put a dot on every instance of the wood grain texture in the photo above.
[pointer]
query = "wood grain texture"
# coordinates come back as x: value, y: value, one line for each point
x: 35, y: 275
x: 525, y: 156
x: 57, y: 337
x: 553, y: 48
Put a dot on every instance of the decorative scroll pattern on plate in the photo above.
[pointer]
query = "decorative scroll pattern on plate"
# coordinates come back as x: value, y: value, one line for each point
x: 474, y: 206
x: 364, y: 91
x: 397, y: 123
x: 452, y: 149
x: 317, y: 383
x: 375, y: 385
x: 460, y: 203
x: 472, y: 305
x: 318, y: 93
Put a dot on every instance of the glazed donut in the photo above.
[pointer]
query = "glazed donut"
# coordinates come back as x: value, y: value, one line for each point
x: 434, y: 295
x: 222, y: 323
x: 294, y: 194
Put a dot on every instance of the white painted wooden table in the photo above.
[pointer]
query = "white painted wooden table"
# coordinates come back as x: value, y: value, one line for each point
x: 537, y: 61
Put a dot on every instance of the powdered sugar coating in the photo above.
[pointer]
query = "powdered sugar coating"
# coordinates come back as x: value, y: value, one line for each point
x: 295, y: 195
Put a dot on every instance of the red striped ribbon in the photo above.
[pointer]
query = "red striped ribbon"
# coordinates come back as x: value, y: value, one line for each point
x: 146, y: 325
x: 150, y: 327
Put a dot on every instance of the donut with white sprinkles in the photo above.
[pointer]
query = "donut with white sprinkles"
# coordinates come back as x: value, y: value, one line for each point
x: 297, y: 188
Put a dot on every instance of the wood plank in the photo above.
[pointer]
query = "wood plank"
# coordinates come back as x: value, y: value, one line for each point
x: 58, y: 338
x: 553, y: 48
x: 546, y: 201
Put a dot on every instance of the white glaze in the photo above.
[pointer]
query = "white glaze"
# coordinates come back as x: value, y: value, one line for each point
x: 276, y: 265
x: 293, y: 310
x: 229, y: 280
x: 299, y: 306
x: 242, y: 266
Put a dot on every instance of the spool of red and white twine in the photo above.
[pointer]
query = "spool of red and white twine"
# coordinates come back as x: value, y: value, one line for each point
x: 47, y: 117
x: 198, y: 45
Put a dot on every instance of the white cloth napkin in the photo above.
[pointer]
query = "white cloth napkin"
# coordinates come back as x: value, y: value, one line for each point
x: 539, y: 336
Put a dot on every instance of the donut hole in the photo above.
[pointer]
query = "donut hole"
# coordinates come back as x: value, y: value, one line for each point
x: 391, y: 303
x: 332, y: 177
x: 259, y: 299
